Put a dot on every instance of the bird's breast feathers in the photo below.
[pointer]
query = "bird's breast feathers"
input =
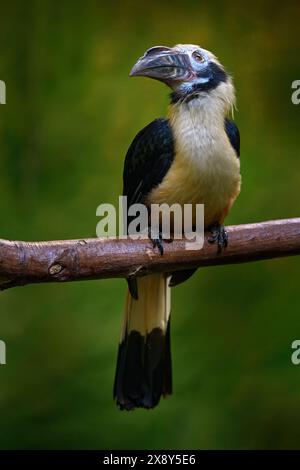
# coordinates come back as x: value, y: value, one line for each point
x: 205, y: 169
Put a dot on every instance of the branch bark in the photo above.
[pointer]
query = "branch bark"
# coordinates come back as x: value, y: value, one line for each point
x: 73, y: 260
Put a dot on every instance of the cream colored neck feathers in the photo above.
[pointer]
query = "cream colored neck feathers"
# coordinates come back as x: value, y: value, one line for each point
x: 205, y: 168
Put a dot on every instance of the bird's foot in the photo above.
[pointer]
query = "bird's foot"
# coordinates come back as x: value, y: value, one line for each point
x: 219, y: 235
x: 157, y: 240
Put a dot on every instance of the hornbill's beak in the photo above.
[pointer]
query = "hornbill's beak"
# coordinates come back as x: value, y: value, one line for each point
x: 165, y: 64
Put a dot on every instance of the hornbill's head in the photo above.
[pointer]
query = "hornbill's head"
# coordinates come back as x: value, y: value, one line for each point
x: 187, y: 69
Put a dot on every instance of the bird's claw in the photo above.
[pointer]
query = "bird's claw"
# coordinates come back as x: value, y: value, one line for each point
x: 157, y: 241
x: 219, y: 235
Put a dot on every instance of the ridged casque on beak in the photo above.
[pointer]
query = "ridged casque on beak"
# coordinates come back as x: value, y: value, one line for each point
x: 165, y: 64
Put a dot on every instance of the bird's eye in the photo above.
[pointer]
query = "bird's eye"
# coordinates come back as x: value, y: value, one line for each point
x: 198, y: 56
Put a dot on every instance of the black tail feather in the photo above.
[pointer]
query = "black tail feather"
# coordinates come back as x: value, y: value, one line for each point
x: 144, y: 369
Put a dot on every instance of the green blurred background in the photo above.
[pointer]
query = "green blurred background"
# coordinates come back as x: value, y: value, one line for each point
x: 70, y: 116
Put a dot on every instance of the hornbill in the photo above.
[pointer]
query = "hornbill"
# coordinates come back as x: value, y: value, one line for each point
x: 192, y: 156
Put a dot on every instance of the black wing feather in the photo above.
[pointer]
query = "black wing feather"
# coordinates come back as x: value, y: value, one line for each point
x: 148, y: 159
x: 233, y: 135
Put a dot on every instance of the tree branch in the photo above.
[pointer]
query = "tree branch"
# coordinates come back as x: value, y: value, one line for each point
x: 70, y: 260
